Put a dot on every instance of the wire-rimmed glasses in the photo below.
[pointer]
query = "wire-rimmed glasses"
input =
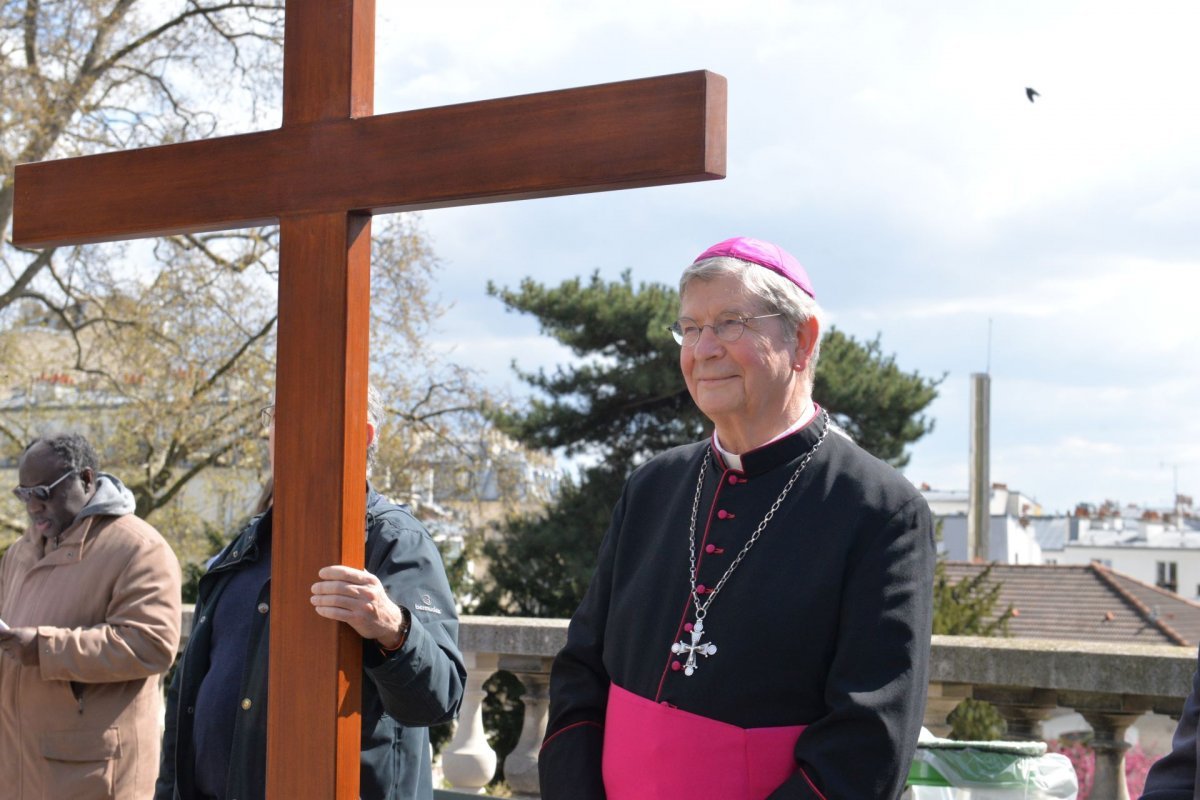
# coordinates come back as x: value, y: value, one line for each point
x: 728, y: 328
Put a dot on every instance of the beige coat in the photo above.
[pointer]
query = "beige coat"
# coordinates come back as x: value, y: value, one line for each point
x: 85, y: 722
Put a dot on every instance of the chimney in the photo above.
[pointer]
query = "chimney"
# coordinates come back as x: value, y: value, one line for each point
x: 979, y: 518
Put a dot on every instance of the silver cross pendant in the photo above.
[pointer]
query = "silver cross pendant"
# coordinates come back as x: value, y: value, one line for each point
x: 706, y: 649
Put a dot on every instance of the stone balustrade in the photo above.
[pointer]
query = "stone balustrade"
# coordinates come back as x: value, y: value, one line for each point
x: 1027, y: 680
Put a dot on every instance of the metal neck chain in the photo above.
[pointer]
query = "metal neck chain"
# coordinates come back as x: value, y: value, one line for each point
x: 702, y: 608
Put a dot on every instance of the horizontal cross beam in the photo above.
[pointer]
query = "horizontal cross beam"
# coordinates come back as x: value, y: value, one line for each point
x: 646, y: 132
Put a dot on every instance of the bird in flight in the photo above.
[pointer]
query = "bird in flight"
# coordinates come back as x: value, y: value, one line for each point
x: 1031, y: 93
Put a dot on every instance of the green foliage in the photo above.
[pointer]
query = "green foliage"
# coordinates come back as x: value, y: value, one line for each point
x: 627, y: 396
x: 967, y: 607
x: 193, y: 571
x: 976, y: 721
x: 503, y: 717
x: 871, y: 398
x: 541, y: 565
x: 625, y: 400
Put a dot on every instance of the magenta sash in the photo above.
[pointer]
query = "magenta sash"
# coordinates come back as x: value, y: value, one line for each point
x: 655, y: 752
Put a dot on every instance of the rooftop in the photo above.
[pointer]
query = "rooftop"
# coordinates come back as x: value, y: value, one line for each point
x: 1088, y: 603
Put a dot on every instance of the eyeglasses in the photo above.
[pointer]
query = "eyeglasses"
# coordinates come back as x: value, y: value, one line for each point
x: 728, y: 329
x: 267, y: 415
x: 42, y: 493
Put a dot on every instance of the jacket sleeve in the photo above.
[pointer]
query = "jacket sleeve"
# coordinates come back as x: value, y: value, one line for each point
x: 140, y: 632
x: 422, y: 682
x: 571, y: 758
x: 1173, y: 777
x: 878, y: 679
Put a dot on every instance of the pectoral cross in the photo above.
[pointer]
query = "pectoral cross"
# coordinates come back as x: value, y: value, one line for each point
x: 706, y: 649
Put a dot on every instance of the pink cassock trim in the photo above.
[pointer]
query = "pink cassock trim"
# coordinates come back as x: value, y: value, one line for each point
x: 655, y: 752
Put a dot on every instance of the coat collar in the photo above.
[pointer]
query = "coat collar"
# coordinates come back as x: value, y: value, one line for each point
x: 71, y: 543
x: 246, y: 544
x: 774, y: 454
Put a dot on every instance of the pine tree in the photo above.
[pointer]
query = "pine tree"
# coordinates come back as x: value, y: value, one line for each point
x: 967, y: 607
x: 624, y: 401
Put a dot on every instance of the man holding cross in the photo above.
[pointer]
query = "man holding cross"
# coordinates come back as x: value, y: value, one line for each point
x: 413, y: 674
x: 758, y: 623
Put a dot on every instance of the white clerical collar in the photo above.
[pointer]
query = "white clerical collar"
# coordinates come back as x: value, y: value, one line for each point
x: 734, y: 461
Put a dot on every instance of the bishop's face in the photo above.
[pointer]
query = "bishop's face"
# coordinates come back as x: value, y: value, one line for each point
x: 745, y: 386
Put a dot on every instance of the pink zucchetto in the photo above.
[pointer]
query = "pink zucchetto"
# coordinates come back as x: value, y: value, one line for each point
x: 765, y: 254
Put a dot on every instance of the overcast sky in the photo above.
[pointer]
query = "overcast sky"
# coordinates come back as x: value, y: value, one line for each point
x: 894, y: 152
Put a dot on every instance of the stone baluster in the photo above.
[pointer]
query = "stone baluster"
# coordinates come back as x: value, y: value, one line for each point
x: 943, y: 698
x: 1108, y: 742
x: 1110, y: 715
x: 469, y: 762
x: 1023, y: 708
x: 521, y: 766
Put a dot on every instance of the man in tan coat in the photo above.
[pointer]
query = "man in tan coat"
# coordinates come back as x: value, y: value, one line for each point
x: 90, y: 601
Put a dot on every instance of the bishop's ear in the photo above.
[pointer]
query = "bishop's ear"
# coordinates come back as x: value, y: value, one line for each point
x: 808, y: 333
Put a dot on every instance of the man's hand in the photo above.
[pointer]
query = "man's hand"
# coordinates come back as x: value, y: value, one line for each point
x: 356, y: 597
x: 20, y: 644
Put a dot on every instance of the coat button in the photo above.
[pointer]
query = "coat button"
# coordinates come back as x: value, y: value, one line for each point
x: 701, y: 589
x: 246, y: 704
x: 263, y: 608
x: 676, y: 666
x: 710, y: 548
x: 733, y: 479
x: 723, y: 514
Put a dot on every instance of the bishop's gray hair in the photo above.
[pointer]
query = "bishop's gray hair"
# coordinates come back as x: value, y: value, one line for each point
x: 777, y: 294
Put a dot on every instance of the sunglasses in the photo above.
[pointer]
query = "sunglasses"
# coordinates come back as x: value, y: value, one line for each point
x: 42, y: 493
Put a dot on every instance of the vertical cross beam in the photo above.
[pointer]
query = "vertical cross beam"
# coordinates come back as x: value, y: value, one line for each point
x: 322, y: 365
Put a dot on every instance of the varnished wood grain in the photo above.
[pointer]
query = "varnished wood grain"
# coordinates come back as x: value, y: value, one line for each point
x: 316, y: 664
x: 329, y: 60
x: 314, y: 734
x: 613, y: 136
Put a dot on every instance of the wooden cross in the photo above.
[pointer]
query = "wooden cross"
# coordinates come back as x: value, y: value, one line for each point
x: 322, y: 175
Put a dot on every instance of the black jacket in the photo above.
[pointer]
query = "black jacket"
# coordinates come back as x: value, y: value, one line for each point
x: 1173, y: 777
x: 420, y: 684
x: 826, y: 622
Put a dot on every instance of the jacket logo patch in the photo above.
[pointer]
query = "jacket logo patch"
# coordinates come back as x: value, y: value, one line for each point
x: 427, y: 605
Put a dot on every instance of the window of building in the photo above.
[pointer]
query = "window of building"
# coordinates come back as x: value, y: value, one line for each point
x: 1167, y: 574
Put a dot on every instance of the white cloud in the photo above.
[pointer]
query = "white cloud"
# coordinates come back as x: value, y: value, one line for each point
x: 894, y: 152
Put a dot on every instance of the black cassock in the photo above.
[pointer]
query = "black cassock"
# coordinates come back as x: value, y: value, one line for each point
x: 821, y: 633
